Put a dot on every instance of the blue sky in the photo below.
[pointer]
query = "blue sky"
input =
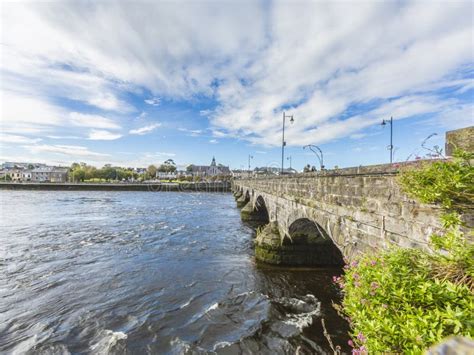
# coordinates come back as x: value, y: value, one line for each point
x: 136, y: 83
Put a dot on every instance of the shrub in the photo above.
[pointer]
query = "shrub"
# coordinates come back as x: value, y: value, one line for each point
x: 447, y: 182
x: 405, y: 300
x: 395, y: 304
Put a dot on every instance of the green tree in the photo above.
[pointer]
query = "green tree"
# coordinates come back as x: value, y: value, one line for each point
x: 168, y: 166
x: 151, y: 172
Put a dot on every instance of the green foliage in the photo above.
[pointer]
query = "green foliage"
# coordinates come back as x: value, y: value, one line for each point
x: 83, y: 172
x: 151, y: 172
x: 405, y: 300
x: 449, y: 183
x: 396, y: 305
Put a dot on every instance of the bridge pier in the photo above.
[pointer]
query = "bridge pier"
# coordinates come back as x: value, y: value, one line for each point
x: 242, y: 201
x: 253, y: 215
x: 305, y: 247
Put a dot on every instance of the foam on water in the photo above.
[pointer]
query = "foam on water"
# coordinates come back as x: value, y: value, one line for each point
x: 108, y: 339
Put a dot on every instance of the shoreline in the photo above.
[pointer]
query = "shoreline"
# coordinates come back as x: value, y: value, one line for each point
x: 151, y: 187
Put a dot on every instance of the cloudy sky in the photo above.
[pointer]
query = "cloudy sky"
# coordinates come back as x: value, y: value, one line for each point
x: 134, y: 83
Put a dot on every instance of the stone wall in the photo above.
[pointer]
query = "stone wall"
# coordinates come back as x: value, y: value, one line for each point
x: 359, y: 208
x: 461, y: 138
x: 151, y: 187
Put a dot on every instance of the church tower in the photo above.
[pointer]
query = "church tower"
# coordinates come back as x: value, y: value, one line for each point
x: 213, y: 163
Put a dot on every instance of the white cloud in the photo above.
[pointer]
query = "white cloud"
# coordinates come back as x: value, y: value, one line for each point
x: 205, y: 112
x: 21, y: 113
x: 145, y: 129
x: 318, y: 66
x: 213, y: 141
x: 454, y: 116
x: 191, y: 132
x: 10, y: 138
x: 387, y: 58
x: 95, y: 121
x: 155, y: 101
x: 358, y: 135
x: 166, y: 154
x: 103, y: 135
x: 68, y: 150
x: 142, y: 115
x: 63, y: 137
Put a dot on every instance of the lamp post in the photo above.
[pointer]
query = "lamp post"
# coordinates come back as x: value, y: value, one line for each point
x: 250, y: 157
x: 283, y: 143
x: 319, y: 154
x: 289, y: 158
x: 390, y: 147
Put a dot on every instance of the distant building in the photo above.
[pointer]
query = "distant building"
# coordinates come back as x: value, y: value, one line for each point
x: 172, y: 175
x: 49, y: 174
x: 240, y: 173
x: 209, y: 170
x: 140, y: 171
x: 14, y: 165
x: 15, y: 174
x: 26, y: 175
x: 271, y: 170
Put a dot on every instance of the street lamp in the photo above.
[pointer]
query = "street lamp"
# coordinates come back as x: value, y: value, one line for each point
x: 289, y: 158
x: 250, y: 157
x: 283, y: 143
x: 390, y: 147
x: 319, y: 153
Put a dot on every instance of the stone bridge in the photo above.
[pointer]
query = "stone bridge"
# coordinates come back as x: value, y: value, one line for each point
x: 321, y: 218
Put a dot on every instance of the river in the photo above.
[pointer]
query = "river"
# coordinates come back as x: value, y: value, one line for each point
x: 140, y: 272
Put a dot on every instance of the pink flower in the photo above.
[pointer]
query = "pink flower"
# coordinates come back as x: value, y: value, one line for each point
x: 374, y: 285
x: 384, y: 306
x: 361, y: 337
x: 354, y: 264
x: 360, y: 351
x: 373, y: 263
x: 356, y: 277
x: 351, y: 343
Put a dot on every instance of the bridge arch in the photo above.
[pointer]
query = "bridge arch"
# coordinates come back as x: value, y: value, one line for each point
x: 261, y: 210
x: 255, y: 211
x: 311, y: 244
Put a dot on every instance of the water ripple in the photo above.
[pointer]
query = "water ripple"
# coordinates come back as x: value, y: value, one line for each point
x: 137, y: 272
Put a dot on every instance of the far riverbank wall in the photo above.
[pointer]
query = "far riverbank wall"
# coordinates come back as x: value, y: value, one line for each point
x: 151, y: 187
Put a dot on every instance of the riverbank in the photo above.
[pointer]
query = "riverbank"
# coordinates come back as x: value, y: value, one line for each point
x: 152, y: 187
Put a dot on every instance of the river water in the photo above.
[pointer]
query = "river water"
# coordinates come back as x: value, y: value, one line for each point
x: 141, y: 272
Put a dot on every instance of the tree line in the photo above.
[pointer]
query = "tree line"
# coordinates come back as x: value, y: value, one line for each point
x: 84, y: 172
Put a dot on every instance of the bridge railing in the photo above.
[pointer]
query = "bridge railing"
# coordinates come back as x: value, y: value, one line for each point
x: 367, y: 170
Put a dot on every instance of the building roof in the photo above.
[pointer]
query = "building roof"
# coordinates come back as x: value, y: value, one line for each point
x: 50, y: 169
